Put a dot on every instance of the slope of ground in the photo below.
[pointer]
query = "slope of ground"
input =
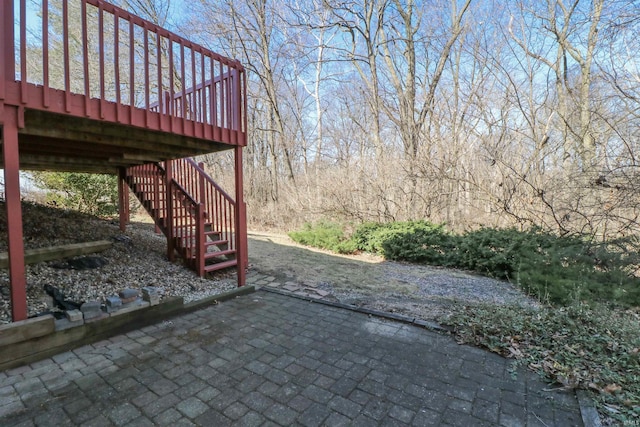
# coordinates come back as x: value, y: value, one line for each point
x: 138, y: 258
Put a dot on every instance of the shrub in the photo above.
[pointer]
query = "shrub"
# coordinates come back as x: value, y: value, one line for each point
x: 364, y: 237
x: 488, y: 251
x: 414, y: 241
x: 324, y: 235
x: 417, y: 241
x: 94, y: 194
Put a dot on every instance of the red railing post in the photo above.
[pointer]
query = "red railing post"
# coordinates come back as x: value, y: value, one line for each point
x: 237, y: 106
x: 202, y: 196
x: 244, y: 109
x: 200, y: 239
x: 240, y: 221
x: 7, y: 48
x: 17, y: 278
x: 156, y: 204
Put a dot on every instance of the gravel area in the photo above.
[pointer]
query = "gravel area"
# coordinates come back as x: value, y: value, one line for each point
x: 136, y: 259
x: 369, y: 281
x: 431, y: 292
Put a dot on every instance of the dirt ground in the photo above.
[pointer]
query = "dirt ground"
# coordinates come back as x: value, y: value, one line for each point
x: 370, y: 281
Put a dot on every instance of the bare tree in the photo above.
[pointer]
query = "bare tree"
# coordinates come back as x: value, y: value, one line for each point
x: 573, y: 29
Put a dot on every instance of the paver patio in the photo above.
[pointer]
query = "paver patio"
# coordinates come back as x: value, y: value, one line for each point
x: 268, y: 359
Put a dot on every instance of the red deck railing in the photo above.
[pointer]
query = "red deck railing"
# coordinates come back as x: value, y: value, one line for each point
x: 92, y: 59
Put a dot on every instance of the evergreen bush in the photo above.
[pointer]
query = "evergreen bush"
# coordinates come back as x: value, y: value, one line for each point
x: 323, y: 235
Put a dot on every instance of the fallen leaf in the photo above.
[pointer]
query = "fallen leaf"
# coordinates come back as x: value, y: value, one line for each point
x: 514, y: 352
x: 612, y: 388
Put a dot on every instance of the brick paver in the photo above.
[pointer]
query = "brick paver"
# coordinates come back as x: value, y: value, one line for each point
x: 268, y: 359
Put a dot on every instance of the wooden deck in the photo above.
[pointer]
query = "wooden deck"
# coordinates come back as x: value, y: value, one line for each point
x: 114, y: 98
x: 88, y: 87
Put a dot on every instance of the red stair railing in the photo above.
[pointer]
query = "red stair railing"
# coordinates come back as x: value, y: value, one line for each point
x: 187, y: 225
x: 194, y: 213
x: 148, y: 184
x: 219, y: 207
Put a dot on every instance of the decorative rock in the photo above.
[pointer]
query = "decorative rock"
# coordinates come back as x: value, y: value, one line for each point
x: 149, y: 290
x: 90, y: 309
x: 150, y: 294
x: 73, y: 315
x: 127, y: 294
x: 321, y: 292
x: 114, y: 303
x: 291, y: 288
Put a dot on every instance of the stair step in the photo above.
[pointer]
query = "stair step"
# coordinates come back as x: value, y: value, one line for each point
x: 216, y: 243
x: 220, y: 265
x: 213, y: 255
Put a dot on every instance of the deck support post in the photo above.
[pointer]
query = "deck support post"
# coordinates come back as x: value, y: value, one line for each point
x: 17, y: 278
x: 171, y: 244
x: 123, y: 199
x: 241, y: 221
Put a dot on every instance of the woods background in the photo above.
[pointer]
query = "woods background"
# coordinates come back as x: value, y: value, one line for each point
x: 469, y: 112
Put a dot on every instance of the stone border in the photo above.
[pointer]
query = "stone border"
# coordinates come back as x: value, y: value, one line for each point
x: 590, y: 416
x: 34, y: 346
x: 383, y: 314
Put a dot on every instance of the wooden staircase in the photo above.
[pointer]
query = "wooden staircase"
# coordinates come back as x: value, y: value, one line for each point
x: 191, y: 210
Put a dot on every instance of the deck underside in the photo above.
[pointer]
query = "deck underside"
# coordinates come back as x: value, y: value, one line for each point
x: 50, y: 141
